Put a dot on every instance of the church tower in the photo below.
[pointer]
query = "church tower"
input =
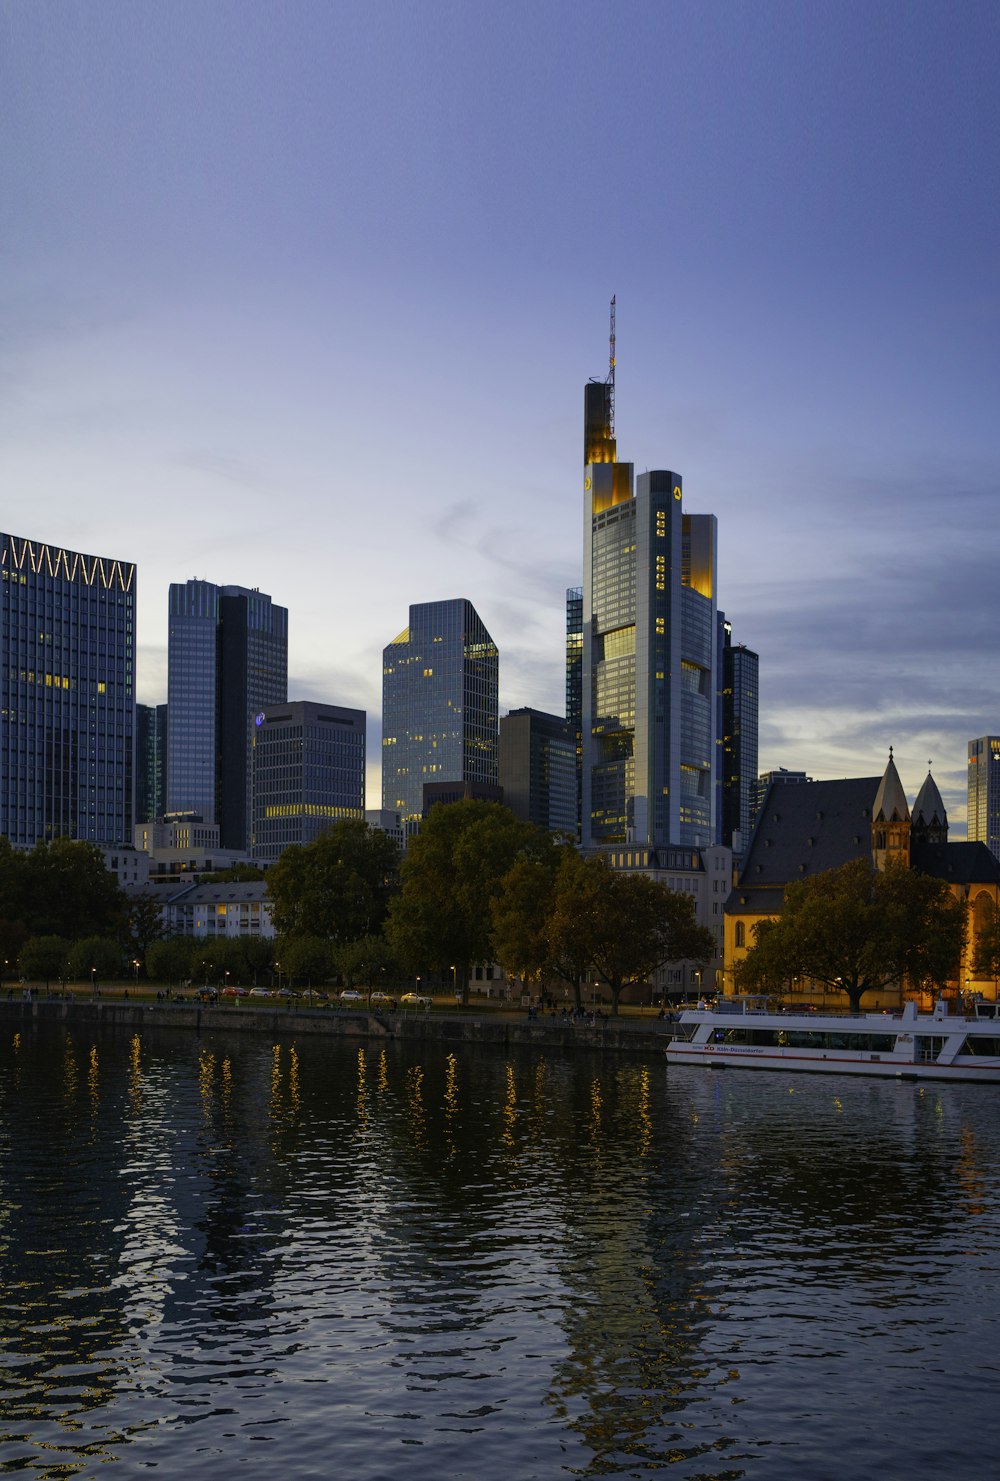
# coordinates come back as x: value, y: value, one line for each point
x: 891, y: 820
x: 930, y: 821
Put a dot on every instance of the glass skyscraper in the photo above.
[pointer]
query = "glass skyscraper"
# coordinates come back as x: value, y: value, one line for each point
x: 649, y: 681
x: 739, y: 740
x: 983, y: 818
x: 150, y: 762
x: 439, y: 705
x: 227, y: 660
x: 67, y: 694
x: 308, y: 773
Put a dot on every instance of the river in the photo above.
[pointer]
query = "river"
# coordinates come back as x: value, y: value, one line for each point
x: 385, y: 1261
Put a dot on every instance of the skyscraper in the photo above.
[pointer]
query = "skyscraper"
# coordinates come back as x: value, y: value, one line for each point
x: 739, y: 740
x: 538, y: 769
x: 439, y: 705
x: 308, y: 773
x: 649, y: 650
x: 574, y: 682
x: 150, y: 762
x: 227, y: 660
x: 67, y: 694
x: 983, y: 825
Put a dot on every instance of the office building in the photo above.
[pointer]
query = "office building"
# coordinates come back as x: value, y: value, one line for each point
x: 67, y: 694
x: 738, y: 740
x: 150, y: 762
x: 649, y: 682
x: 439, y: 706
x: 574, y: 682
x: 227, y: 661
x: 308, y: 773
x: 538, y: 769
x: 780, y: 777
x: 983, y: 818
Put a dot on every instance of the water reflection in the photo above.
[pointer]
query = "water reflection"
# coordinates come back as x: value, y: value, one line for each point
x: 515, y: 1264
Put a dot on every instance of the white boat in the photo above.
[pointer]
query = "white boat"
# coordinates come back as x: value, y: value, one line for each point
x: 910, y: 1045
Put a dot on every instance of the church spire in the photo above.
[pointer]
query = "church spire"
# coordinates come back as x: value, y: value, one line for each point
x: 890, y: 820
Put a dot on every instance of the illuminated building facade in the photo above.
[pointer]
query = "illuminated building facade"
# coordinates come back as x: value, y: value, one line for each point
x: 983, y: 819
x: 67, y: 694
x: 439, y: 706
x: 739, y: 740
x: 227, y: 660
x: 308, y: 773
x: 538, y: 769
x: 574, y: 682
x: 649, y: 682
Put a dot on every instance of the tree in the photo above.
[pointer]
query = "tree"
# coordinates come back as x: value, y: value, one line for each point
x: 577, y: 902
x: 43, y: 958
x: 305, y: 959
x: 369, y: 962
x: 70, y: 893
x: 987, y: 948
x: 338, y: 886
x: 856, y: 931
x: 520, y: 911
x: 145, y: 922
x: 99, y: 952
x: 171, y: 960
x: 640, y: 925
x: 452, y: 872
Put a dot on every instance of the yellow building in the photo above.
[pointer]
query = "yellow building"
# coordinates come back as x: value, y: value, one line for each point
x: 811, y: 827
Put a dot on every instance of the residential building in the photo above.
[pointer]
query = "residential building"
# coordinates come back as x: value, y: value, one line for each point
x: 150, y: 762
x: 67, y: 694
x: 538, y: 769
x: 439, y: 706
x: 649, y: 680
x: 738, y: 739
x: 983, y: 817
x: 227, y: 662
x: 308, y: 773
x: 208, y: 911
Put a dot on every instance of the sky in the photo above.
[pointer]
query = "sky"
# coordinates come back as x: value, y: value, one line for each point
x: 304, y: 297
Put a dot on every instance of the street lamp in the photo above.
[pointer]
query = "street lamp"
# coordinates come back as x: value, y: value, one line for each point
x: 135, y: 967
x: 454, y: 981
x: 93, y: 982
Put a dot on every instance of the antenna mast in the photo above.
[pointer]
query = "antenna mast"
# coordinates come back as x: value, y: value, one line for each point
x: 611, y: 373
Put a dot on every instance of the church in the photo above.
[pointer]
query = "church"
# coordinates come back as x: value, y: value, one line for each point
x: 805, y: 829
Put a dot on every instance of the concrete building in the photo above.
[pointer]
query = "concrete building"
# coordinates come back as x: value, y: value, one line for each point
x: 439, y: 706
x: 208, y: 911
x: 387, y: 822
x: 227, y: 661
x: 308, y: 773
x: 67, y: 694
x: 649, y: 680
x: 538, y: 769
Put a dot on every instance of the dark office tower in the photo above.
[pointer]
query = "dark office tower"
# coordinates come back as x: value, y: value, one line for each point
x: 574, y: 682
x: 983, y: 815
x: 439, y: 705
x: 649, y: 656
x: 67, y: 694
x: 308, y: 773
x: 739, y: 741
x: 538, y: 769
x: 150, y: 762
x: 227, y: 661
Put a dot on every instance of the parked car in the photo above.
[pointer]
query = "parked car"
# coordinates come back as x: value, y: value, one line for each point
x: 414, y: 1000
x: 260, y: 992
x: 350, y: 996
x: 235, y: 992
x: 380, y: 999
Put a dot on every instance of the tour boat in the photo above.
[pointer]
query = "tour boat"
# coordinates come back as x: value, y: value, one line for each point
x: 910, y: 1045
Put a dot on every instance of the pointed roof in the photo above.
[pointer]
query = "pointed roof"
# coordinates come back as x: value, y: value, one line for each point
x: 890, y: 799
x: 928, y: 808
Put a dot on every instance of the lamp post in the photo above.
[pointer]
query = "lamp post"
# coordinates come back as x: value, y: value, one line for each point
x: 454, y: 980
x: 135, y: 968
x: 93, y: 982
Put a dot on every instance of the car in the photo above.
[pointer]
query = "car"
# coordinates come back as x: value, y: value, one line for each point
x: 380, y: 999
x: 350, y: 996
x: 235, y: 992
x: 260, y: 992
x: 414, y: 1000
x: 284, y: 992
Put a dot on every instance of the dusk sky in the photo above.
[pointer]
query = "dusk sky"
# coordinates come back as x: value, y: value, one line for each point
x: 304, y: 297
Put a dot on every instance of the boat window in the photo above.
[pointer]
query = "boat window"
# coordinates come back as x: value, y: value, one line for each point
x: 981, y: 1044
x: 929, y: 1046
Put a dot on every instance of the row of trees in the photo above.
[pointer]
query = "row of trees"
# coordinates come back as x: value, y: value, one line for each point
x: 477, y: 885
x: 856, y: 931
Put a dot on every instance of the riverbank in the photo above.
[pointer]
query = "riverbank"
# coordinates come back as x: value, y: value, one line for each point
x: 618, y: 1036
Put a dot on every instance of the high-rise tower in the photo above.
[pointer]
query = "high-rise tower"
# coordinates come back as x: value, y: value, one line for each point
x: 738, y: 740
x: 227, y: 661
x: 983, y: 825
x: 649, y: 650
x: 439, y: 705
x: 67, y: 694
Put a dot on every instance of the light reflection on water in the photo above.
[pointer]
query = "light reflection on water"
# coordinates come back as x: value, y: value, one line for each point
x: 380, y: 1259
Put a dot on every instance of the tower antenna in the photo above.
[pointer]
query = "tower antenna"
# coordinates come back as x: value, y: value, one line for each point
x: 611, y: 372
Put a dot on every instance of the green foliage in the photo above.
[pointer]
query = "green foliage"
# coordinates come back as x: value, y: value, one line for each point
x: 640, y: 925
x: 442, y: 917
x: 987, y: 948
x: 44, y: 958
x: 858, y: 931
x: 145, y: 922
x: 521, y: 911
x: 97, y: 951
x: 337, y: 887
x: 306, y: 961
x: 68, y: 892
x: 369, y: 961
x: 171, y: 960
